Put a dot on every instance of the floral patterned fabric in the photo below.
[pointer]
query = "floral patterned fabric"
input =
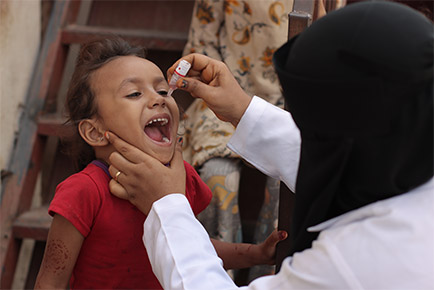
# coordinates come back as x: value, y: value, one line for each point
x: 244, y: 35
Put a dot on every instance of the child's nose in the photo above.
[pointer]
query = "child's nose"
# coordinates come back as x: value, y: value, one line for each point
x: 157, y: 100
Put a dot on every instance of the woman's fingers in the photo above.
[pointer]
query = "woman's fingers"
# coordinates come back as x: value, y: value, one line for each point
x: 177, y: 159
x: 203, y: 74
x: 118, y: 190
x: 142, y: 179
x: 198, y: 63
x: 212, y: 81
x: 128, y: 151
x: 119, y: 165
x: 120, y: 168
x: 177, y: 162
x: 126, y: 156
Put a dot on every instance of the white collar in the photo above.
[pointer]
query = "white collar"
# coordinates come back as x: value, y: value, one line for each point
x: 374, y: 209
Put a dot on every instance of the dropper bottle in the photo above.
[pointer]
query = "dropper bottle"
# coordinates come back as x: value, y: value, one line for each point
x: 180, y: 72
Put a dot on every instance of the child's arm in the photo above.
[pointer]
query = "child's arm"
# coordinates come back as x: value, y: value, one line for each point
x: 63, y: 246
x: 237, y: 256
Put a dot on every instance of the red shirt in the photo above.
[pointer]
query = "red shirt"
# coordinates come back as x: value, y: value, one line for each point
x: 112, y: 254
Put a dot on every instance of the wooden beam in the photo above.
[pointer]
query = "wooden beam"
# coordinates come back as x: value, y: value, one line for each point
x: 300, y: 17
x: 150, y: 39
x: 53, y: 125
x: 33, y: 224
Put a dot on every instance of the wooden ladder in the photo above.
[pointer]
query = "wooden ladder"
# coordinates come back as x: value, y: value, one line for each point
x: 160, y: 26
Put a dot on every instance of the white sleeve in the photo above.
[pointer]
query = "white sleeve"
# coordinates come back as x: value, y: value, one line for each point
x: 183, y: 257
x: 268, y: 138
x: 179, y: 248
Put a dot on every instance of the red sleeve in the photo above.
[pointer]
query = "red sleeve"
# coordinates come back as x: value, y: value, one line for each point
x: 197, y: 192
x: 78, y: 200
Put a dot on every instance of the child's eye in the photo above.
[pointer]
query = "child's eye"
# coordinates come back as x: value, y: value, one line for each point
x: 163, y: 92
x: 134, y: 95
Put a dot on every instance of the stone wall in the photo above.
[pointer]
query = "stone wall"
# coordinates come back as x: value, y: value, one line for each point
x: 20, y: 36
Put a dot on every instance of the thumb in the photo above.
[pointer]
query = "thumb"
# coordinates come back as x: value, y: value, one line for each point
x: 196, y: 88
x: 275, y: 237
x: 177, y: 160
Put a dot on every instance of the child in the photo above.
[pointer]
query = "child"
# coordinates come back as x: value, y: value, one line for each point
x: 95, y: 240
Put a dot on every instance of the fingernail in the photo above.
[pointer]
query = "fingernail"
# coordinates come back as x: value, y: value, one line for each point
x: 282, y: 235
x: 106, y: 135
x: 180, y: 140
x: 184, y: 84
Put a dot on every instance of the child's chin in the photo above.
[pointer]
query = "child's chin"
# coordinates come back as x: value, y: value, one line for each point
x: 165, y: 159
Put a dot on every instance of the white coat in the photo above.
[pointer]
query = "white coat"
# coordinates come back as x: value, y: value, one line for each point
x: 388, y: 244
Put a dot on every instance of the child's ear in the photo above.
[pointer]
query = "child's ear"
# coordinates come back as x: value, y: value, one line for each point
x: 88, y: 130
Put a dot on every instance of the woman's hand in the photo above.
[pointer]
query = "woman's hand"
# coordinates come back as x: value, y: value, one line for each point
x: 211, y: 80
x: 143, y: 179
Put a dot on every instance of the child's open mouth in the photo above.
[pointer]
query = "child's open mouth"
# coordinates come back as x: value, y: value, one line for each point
x: 158, y: 130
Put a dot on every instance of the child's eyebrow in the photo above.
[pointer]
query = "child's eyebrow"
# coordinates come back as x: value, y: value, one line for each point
x: 136, y: 81
x: 133, y: 80
x: 159, y: 80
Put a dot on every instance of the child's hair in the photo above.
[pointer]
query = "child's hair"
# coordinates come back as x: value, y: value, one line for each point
x: 80, y: 99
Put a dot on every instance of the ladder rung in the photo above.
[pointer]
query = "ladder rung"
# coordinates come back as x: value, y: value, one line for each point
x: 33, y: 224
x: 150, y: 39
x: 52, y: 125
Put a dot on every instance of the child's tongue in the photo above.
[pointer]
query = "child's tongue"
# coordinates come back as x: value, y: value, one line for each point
x: 154, y: 133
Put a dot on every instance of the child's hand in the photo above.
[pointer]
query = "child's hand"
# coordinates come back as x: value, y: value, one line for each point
x: 243, y: 255
x: 268, y: 247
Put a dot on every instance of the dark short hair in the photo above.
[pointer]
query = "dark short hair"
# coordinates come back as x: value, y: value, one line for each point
x: 80, y: 99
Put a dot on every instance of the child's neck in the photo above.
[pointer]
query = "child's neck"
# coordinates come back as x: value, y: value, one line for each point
x: 103, y: 153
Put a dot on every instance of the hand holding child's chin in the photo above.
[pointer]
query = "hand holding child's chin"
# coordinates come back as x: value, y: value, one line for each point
x: 142, y: 179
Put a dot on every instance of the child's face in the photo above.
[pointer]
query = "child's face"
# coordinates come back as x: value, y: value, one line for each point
x: 131, y: 95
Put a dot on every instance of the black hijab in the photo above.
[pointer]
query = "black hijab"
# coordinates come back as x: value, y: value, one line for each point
x: 359, y: 85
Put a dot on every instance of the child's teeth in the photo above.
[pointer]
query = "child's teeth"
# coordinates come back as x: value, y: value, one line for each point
x: 165, y: 139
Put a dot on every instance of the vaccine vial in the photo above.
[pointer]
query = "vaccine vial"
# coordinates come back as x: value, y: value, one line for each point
x: 180, y: 71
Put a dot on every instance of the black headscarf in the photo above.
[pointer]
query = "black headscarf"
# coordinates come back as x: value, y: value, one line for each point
x: 359, y: 85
